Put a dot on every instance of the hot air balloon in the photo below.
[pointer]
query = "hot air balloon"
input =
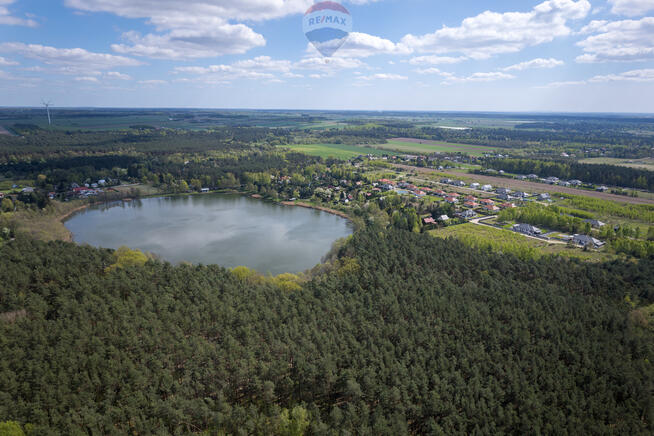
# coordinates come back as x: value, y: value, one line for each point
x: 327, y: 25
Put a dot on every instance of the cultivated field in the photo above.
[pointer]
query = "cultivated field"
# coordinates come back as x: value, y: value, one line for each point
x: 410, y: 145
x: 523, y: 185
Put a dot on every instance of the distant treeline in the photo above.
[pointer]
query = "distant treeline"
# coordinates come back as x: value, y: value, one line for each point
x: 600, y: 174
x: 397, y: 334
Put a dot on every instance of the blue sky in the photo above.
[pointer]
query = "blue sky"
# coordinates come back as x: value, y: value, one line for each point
x: 552, y: 55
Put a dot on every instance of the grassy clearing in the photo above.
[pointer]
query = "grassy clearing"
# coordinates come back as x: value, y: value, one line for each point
x: 415, y: 146
x: 506, y: 241
x: 5, y: 185
x: 338, y: 151
x: 45, y: 224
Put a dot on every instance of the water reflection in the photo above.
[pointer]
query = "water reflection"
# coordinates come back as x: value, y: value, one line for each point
x: 229, y: 230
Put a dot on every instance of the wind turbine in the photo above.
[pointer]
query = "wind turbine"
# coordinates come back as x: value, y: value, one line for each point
x: 47, y: 109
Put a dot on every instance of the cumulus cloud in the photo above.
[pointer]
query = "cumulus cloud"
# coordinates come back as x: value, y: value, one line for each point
x: 627, y: 40
x: 70, y: 60
x: 206, y: 40
x: 535, y: 63
x: 491, y: 33
x: 193, y: 28
x: 361, y: 45
x: 8, y: 19
x: 631, y: 8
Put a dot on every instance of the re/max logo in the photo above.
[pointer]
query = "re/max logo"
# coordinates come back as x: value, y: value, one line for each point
x: 327, y: 19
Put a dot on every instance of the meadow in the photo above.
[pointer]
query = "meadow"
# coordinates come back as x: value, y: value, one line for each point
x: 645, y: 163
x: 338, y: 151
x: 408, y: 145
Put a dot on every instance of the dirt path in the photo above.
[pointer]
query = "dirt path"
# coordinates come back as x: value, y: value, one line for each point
x: 524, y: 185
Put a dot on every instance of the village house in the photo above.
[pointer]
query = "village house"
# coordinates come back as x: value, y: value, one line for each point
x: 491, y: 208
x: 443, y: 218
x: 466, y: 214
x: 487, y: 188
x: 486, y: 201
x: 429, y: 220
x: 602, y: 189
x: 587, y: 241
x: 544, y: 196
x: 474, y: 185
x: 507, y: 205
x: 471, y: 204
x: 527, y: 229
x: 503, y: 191
x: 451, y: 200
x: 595, y: 223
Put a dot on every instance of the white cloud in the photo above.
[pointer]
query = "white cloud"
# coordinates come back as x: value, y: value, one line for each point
x: 535, y: 63
x: 563, y: 84
x: 7, y: 62
x: 639, y: 76
x: 361, y: 45
x: 631, y: 8
x: 209, y: 39
x: 645, y: 75
x: 491, y: 33
x: 193, y: 29
x: 160, y: 10
x: 117, y: 75
x: 262, y: 67
x: 477, y: 77
x: 383, y: 76
x: 328, y: 64
x: 152, y: 82
x: 627, y: 40
x: 90, y: 79
x: 10, y: 20
x: 70, y: 60
x: 433, y: 70
x: 436, y: 60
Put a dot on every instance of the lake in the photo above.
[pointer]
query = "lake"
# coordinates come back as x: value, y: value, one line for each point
x: 225, y: 229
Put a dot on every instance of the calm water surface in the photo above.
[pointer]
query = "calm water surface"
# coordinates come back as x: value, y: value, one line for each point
x: 228, y: 230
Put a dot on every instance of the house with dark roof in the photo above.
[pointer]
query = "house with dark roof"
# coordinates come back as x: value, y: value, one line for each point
x: 527, y: 229
x: 595, y: 223
x: 587, y: 241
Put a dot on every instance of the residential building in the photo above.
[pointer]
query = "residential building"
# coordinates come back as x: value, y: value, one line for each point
x: 527, y: 229
x: 587, y: 241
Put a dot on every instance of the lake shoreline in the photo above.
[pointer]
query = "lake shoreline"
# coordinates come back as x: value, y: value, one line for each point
x: 320, y: 208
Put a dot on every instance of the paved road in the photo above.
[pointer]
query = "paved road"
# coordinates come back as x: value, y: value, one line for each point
x: 523, y: 185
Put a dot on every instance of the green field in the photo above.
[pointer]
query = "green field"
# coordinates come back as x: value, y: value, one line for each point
x: 339, y: 151
x: 435, y: 146
x: 645, y: 163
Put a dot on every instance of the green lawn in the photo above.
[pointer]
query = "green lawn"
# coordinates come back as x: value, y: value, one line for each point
x: 339, y: 151
x: 435, y: 146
